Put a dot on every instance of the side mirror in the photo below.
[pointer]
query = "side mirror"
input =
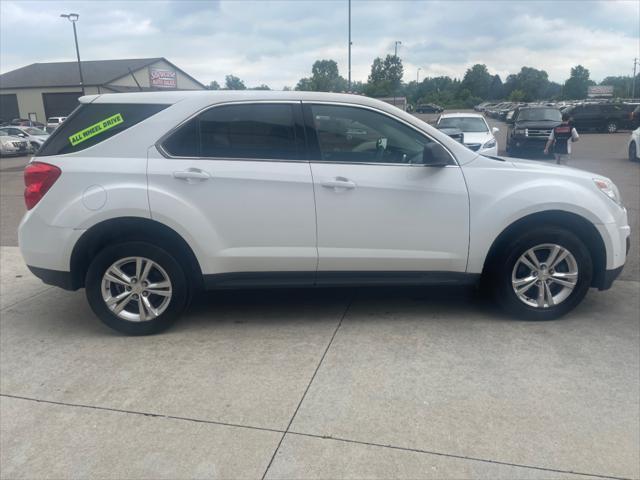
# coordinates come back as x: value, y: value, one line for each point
x: 435, y: 155
x: 495, y: 130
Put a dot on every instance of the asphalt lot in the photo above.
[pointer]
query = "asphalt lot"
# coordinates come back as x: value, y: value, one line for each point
x: 331, y: 383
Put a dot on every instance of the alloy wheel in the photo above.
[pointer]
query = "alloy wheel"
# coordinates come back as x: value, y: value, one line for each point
x: 545, y: 275
x: 136, y: 289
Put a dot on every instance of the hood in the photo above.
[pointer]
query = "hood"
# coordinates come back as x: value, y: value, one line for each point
x: 477, y: 137
x: 542, y: 167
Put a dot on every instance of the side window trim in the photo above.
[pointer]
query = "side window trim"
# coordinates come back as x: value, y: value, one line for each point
x: 298, y: 124
x: 314, y: 144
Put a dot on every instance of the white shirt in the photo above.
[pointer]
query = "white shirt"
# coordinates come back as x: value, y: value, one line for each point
x: 574, y: 138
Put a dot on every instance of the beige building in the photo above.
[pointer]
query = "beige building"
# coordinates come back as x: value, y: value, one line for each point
x: 44, y: 90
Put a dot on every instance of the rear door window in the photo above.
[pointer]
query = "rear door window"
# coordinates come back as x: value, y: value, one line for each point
x: 93, y: 123
x: 252, y: 131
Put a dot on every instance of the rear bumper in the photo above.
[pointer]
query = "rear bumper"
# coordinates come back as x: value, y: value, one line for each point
x: 56, y: 278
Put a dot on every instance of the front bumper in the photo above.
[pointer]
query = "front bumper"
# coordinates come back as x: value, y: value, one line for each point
x: 527, y: 143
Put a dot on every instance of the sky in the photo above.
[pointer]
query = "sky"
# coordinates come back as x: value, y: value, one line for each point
x: 276, y: 42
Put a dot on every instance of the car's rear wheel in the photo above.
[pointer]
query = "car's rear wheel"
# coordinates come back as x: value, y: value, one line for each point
x: 543, y: 274
x: 136, y: 288
x: 633, y: 152
x: 611, y: 127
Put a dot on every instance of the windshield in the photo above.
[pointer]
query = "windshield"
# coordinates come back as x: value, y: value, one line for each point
x: 540, y: 114
x: 466, y: 124
x: 35, y: 131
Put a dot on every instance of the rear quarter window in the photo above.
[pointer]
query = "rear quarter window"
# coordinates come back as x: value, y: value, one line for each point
x: 91, y: 124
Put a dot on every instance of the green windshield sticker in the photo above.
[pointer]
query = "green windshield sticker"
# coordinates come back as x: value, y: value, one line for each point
x: 96, y: 129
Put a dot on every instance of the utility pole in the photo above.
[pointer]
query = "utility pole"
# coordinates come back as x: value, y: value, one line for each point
x: 349, y: 89
x: 633, y: 81
x: 397, y: 42
x: 73, y: 18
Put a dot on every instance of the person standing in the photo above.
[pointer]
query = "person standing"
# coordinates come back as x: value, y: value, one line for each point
x: 561, y: 138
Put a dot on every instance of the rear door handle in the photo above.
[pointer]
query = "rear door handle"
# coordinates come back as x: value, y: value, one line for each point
x: 339, y: 182
x: 192, y: 175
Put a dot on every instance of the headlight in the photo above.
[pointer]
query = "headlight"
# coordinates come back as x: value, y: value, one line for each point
x: 490, y: 144
x: 609, y: 189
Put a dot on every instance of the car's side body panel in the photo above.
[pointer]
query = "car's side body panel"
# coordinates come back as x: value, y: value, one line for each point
x: 248, y: 216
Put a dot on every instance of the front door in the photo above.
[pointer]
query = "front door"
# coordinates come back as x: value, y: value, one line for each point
x: 235, y: 181
x: 378, y: 208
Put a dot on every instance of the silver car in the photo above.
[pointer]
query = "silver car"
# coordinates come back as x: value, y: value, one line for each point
x: 35, y: 137
x: 10, y: 145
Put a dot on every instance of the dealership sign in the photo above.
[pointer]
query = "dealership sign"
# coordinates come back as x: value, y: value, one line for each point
x: 600, y: 91
x: 159, y: 78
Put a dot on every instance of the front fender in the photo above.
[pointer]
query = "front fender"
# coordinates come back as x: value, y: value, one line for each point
x: 495, y: 208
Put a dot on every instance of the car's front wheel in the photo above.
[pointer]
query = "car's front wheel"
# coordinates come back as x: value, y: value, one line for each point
x: 542, y: 274
x: 611, y: 127
x: 136, y: 288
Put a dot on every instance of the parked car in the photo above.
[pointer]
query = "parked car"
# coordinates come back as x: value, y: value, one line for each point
x: 603, y: 117
x: 25, y: 122
x: 477, y: 134
x: 429, y: 108
x: 530, y: 128
x: 634, y: 145
x: 53, y: 123
x: 144, y: 198
x: 481, y: 106
x: 35, y: 136
x: 10, y: 145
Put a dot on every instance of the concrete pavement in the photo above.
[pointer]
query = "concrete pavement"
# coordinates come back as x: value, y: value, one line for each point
x: 382, y: 383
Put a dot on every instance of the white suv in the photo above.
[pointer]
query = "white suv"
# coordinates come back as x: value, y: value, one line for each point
x: 144, y: 198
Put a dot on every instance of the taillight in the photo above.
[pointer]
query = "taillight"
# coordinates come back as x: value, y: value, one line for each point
x: 38, y: 178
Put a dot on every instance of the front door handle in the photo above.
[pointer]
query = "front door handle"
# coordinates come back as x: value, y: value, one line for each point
x: 339, y: 182
x: 192, y: 175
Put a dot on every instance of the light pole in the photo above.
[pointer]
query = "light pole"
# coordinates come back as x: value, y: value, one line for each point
x: 397, y: 42
x: 633, y: 81
x: 73, y: 18
x: 418, y: 75
x: 349, y: 89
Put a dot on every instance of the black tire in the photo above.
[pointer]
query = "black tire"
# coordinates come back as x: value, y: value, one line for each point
x: 611, y: 126
x: 633, y: 152
x: 500, y: 274
x: 179, y: 286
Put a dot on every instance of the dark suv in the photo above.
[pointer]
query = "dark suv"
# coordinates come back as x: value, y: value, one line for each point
x: 530, y: 127
x: 604, y: 117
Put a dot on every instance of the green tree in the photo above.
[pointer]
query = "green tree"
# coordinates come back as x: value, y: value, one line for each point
x: 532, y: 83
x: 477, y: 80
x: 621, y: 85
x: 325, y: 77
x: 495, y: 88
x: 385, y: 77
x: 214, y: 85
x: 262, y: 86
x: 577, y: 84
x: 232, y: 82
x: 517, y: 96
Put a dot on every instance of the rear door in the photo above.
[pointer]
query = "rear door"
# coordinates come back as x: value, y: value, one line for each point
x: 235, y: 181
x: 378, y: 209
